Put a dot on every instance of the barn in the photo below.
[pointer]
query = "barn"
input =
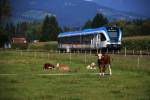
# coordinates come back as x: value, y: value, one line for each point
x: 19, y: 40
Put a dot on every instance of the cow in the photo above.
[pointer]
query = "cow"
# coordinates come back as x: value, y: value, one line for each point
x: 48, y: 66
x: 103, y: 60
x: 63, y: 67
x: 91, y: 66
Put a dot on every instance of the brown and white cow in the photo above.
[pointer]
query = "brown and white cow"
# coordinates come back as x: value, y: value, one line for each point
x: 91, y: 66
x: 48, y: 66
x: 63, y: 67
x: 103, y: 60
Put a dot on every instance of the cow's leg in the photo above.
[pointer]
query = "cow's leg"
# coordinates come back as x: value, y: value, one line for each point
x: 109, y: 69
x: 100, y: 70
x: 104, y: 69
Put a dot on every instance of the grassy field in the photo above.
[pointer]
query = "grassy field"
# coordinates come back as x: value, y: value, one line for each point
x: 22, y: 77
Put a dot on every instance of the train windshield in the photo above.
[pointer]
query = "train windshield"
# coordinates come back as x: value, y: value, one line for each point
x: 113, y: 33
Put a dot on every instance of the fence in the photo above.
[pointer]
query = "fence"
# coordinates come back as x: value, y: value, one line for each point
x: 83, y: 57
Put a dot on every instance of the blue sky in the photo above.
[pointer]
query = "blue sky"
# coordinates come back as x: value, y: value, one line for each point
x: 136, y: 6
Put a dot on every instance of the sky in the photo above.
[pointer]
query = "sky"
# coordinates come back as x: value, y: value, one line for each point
x: 141, y: 7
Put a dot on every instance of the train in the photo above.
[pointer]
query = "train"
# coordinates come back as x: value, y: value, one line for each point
x: 106, y: 38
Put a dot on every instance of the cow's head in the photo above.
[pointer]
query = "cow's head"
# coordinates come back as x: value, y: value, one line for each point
x: 99, y: 56
x: 93, y: 64
x: 57, y: 65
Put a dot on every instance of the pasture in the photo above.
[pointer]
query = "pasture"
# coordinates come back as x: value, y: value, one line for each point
x: 22, y: 77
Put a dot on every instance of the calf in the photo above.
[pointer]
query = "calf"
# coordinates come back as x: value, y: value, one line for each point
x: 91, y: 66
x: 48, y: 66
x: 103, y: 60
x: 63, y: 67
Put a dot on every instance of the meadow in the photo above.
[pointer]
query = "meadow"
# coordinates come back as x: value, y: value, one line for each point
x: 22, y: 77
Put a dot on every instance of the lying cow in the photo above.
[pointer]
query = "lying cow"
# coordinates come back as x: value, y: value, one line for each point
x: 48, y: 66
x: 91, y: 66
x: 63, y: 67
x: 103, y: 60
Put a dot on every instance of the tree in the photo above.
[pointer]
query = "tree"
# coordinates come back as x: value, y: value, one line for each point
x: 5, y: 10
x: 45, y: 29
x: 54, y: 28
x: 50, y: 29
x: 3, y: 37
x: 23, y: 27
x: 87, y: 25
x: 99, y: 20
x: 67, y: 29
x: 145, y: 28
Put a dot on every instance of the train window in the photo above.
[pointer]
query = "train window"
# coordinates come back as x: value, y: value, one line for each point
x: 113, y: 34
x: 103, y: 38
x: 75, y: 39
x: 87, y: 38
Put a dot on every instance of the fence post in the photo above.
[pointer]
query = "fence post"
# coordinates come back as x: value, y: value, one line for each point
x: 34, y: 54
x: 125, y: 51
x: 59, y: 51
x: 118, y: 52
x: 21, y: 53
x: 138, y: 61
x: 85, y: 57
x: 51, y: 51
x: 48, y: 55
x: 113, y: 52
x: 133, y: 51
x: 90, y: 52
x: 41, y: 53
x: 70, y: 57
x: 78, y: 52
x: 140, y: 53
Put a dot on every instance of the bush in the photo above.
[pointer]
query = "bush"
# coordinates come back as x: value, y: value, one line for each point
x: 43, y: 46
x: 137, y: 44
x: 19, y: 46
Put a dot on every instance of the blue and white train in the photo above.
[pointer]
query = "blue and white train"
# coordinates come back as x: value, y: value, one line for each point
x: 91, y: 39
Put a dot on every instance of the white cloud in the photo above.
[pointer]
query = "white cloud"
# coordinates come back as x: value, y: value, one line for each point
x: 88, y: 0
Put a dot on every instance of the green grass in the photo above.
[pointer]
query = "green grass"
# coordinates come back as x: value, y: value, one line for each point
x: 128, y: 82
x: 43, y: 46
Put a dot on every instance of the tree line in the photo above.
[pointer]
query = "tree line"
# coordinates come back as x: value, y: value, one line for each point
x: 49, y: 28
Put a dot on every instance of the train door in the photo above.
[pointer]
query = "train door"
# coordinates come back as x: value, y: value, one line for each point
x: 103, y: 42
x: 98, y: 41
x: 93, y: 41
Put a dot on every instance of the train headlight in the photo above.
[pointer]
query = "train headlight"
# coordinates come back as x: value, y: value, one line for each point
x: 107, y: 45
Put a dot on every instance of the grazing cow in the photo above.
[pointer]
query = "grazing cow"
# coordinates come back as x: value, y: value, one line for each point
x: 91, y: 66
x: 48, y: 66
x: 63, y: 67
x: 103, y: 60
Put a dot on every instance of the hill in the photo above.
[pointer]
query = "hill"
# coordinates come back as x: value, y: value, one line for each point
x: 68, y: 12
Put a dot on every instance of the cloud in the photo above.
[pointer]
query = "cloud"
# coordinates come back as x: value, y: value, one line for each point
x: 88, y: 0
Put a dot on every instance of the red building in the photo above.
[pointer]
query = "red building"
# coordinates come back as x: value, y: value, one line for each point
x: 19, y: 40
